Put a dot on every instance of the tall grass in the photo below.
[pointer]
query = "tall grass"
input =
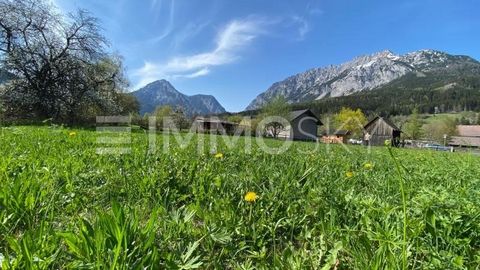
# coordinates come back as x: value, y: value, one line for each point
x: 62, y: 206
x: 404, y: 206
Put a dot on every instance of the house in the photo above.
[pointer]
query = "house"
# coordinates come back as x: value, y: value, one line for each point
x: 303, y: 126
x: 380, y: 129
x: 339, y: 136
x: 214, y: 125
x: 468, y: 136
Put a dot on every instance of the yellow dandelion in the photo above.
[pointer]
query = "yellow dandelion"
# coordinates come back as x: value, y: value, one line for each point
x: 250, y: 196
x: 71, y: 134
x: 349, y: 174
x: 368, y: 166
x: 218, y: 155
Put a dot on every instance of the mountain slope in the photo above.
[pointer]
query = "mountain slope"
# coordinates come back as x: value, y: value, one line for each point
x: 161, y: 92
x: 427, y: 94
x: 366, y: 73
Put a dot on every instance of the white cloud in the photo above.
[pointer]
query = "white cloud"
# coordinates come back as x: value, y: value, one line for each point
x: 229, y: 42
x: 156, y: 7
x: 303, y: 26
x: 199, y: 73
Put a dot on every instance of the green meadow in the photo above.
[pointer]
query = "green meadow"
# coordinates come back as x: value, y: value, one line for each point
x: 65, y: 206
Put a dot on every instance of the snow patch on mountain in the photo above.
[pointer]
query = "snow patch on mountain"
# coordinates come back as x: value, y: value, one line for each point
x: 360, y: 74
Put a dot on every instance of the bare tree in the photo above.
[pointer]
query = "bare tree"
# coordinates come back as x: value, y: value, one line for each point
x: 61, y: 64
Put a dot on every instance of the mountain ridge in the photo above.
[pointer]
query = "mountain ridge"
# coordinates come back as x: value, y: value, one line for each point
x: 363, y: 73
x: 162, y: 92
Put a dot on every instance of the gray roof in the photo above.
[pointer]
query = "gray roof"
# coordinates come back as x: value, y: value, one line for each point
x: 464, y: 141
x: 340, y: 132
x: 296, y: 114
x: 386, y: 120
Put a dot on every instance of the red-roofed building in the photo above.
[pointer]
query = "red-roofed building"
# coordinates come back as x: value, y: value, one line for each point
x: 468, y: 130
x: 468, y: 136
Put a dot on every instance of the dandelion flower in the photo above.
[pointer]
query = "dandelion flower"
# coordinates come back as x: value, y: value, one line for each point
x: 368, y: 166
x: 349, y: 174
x: 251, y: 196
x: 71, y: 134
x: 219, y: 155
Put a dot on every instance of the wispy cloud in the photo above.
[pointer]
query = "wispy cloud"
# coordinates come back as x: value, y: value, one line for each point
x: 303, y: 26
x: 156, y: 8
x: 229, y: 42
x: 190, y: 31
x: 316, y: 11
x: 155, y: 3
x: 314, y: 8
x: 199, y: 73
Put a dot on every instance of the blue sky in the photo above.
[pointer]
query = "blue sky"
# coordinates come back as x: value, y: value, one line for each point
x: 235, y: 50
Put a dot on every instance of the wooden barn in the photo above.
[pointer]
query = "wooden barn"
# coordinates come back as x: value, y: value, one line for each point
x: 214, y: 125
x: 339, y: 136
x: 303, y: 126
x: 380, y: 129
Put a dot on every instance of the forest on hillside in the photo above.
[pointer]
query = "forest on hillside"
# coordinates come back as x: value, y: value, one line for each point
x: 433, y: 93
x: 441, y: 93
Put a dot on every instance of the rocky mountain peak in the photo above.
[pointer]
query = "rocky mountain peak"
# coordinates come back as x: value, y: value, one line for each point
x: 363, y: 73
x: 162, y: 92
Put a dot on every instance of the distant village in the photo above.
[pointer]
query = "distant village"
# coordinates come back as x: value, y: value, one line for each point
x: 304, y: 125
